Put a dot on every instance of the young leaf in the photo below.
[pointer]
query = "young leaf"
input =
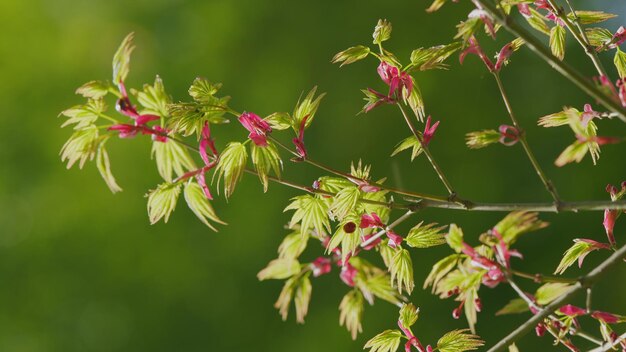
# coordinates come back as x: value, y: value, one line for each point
x: 432, y: 58
x: 557, y: 41
x: 306, y: 108
x: 231, y: 166
x: 440, y: 269
x: 436, y: 5
x: 374, y: 281
x: 577, y: 252
x: 351, y: 312
x: 351, y: 55
x: 171, y: 158
x: 94, y: 89
x: 401, y: 269
x: 538, y: 21
x: 345, y: 202
x: 81, y: 146
x: 382, y: 31
x: 481, y: 139
x: 104, y: 167
x: 554, y: 120
x: 386, y: 341
x: 551, y: 291
x: 459, y: 341
x: 302, y: 298
x: 590, y: 17
x: 416, y: 102
x: 598, y: 37
x: 285, y: 297
x: 425, y: 236
x: 200, y: 205
x: 620, y: 62
x: 162, y: 201
x: 409, y: 142
x: 575, y: 152
x: 84, y: 116
x: 121, y: 59
x: 279, y: 269
x: 266, y: 159
x: 515, y: 306
x: 279, y: 121
x: 311, y: 213
x: 517, y: 223
x: 293, y: 245
x: 455, y: 238
x: 408, y: 315
x: 154, y: 99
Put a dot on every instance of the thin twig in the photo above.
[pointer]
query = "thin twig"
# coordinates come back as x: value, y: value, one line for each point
x: 608, y: 346
x: 388, y: 228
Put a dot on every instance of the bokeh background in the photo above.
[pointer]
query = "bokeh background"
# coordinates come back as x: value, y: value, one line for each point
x: 82, y: 269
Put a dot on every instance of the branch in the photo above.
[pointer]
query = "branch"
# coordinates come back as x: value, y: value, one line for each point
x: 582, y: 284
x: 608, y: 346
x: 388, y: 228
x: 566, y: 70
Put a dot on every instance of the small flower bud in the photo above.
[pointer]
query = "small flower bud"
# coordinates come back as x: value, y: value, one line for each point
x: 540, y: 329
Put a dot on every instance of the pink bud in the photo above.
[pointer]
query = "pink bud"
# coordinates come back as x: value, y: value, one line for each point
x: 258, y: 128
x: 610, y: 216
x: 370, y: 221
x: 503, y: 56
x: 478, y: 304
x: 429, y: 131
x: 456, y: 313
x: 605, y: 317
x: 509, y: 135
x: 572, y: 311
x: 320, y: 266
x: 348, y: 272
x: 394, y: 239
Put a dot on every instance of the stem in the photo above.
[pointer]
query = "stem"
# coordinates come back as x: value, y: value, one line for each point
x: 388, y: 228
x: 522, y: 138
x: 107, y: 117
x: 563, y: 68
x: 608, y: 346
x: 579, y: 34
x: 542, y: 278
x: 584, y: 282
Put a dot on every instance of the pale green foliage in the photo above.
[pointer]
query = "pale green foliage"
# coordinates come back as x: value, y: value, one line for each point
x: 300, y: 287
x: 154, y: 99
x: 121, y: 59
x: 575, y: 152
x: 585, y: 142
x: 515, y: 306
x: 551, y: 291
x: 432, y: 58
x: 380, y: 196
x: 373, y: 282
x: 455, y: 238
x: 351, y: 312
x: 302, y: 298
x: 171, y: 158
x: 538, y: 22
x: 344, y: 202
x: 200, y: 205
x: 266, y: 159
x: 189, y: 118
x: 281, y: 268
x: 436, y: 5
x: 307, y: 107
x: 293, y: 245
x: 416, y: 102
x: 386, y: 341
x: 481, y: 139
x: 598, y: 36
x: 557, y: 41
x: 459, y: 341
x: 349, y: 241
x: 382, y: 31
x: 440, y: 269
x: 401, y: 269
x: 425, y: 236
x: 408, y: 315
x: 311, y: 213
x: 518, y: 223
x: 470, y: 295
x: 554, y: 120
x: 162, y: 201
x: 279, y: 121
x: 81, y: 146
x: 590, y: 17
x: 467, y: 28
x: 620, y: 62
x: 409, y: 142
x: 104, y: 167
x: 84, y: 115
x: 231, y: 166
x: 576, y: 252
x: 351, y: 55
x: 94, y: 89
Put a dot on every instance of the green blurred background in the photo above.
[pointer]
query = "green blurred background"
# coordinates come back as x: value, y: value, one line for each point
x: 82, y: 269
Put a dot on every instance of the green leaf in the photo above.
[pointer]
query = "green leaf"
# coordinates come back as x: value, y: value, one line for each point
x: 459, y: 341
x: 436, y: 5
x: 306, y: 108
x: 598, y: 37
x: 409, y: 142
x: 515, y: 306
x: 171, y: 158
x: 575, y: 152
x: 620, y: 62
x: 401, y: 270
x: 279, y: 121
x: 440, y: 269
x: 577, y: 252
x: 231, y: 166
x: 481, y: 139
x: 416, y: 102
x: 432, y: 58
x: 518, y: 223
x: 408, y: 315
x: 311, y: 213
x: 293, y: 245
x: 266, y: 159
x: 557, y: 41
x: 85, y: 115
x: 382, y: 31
x: 554, y: 120
x: 302, y: 298
x: 538, y: 21
x: 121, y: 59
x: 154, y: 99
x: 281, y: 268
x: 285, y: 297
x: 162, y: 201
x: 104, y: 167
x: 386, y: 341
x: 203, y: 91
x: 81, y: 146
x: 374, y: 281
x: 425, y: 236
x: 455, y: 238
x: 351, y: 55
x: 94, y: 89
x: 200, y: 205
x: 351, y: 312
x: 466, y: 29
x: 551, y: 291
x: 345, y: 202
x: 590, y: 17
